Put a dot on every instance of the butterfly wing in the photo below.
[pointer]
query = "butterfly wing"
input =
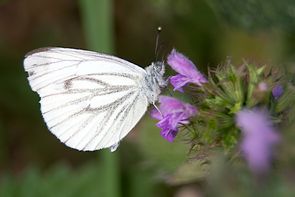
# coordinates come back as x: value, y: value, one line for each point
x: 89, y: 101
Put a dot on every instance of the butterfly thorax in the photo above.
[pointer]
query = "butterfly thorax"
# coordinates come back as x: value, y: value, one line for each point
x: 154, y: 81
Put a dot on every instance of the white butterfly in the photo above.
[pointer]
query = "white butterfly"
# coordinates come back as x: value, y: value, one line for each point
x: 90, y: 100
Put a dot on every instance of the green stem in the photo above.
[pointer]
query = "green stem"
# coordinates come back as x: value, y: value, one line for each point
x: 98, y: 28
x: 98, y: 24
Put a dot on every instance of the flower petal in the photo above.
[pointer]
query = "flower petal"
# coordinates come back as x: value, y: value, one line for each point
x: 169, y: 135
x: 187, y: 70
x: 156, y: 114
x: 180, y: 63
x: 178, y: 81
x: 190, y: 111
x: 277, y: 91
x: 169, y: 105
x: 173, y: 113
x: 198, y: 78
x: 168, y: 127
x: 259, y: 138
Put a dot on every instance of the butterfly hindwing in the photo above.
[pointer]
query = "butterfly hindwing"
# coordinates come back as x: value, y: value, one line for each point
x: 88, y: 100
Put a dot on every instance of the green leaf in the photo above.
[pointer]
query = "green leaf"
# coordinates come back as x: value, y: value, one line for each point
x: 254, y: 78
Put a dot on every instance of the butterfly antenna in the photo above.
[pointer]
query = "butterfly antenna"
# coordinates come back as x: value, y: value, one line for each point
x: 159, y: 29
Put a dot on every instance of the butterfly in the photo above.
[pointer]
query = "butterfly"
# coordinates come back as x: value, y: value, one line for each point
x: 91, y: 100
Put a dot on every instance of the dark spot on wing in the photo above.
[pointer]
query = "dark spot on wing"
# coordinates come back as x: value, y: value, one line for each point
x: 31, y: 73
x: 67, y: 84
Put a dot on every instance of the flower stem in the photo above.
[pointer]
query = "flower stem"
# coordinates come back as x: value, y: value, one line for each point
x: 98, y: 27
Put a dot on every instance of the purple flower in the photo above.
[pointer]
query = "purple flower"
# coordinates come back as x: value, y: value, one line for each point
x: 259, y: 137
x: 277, y: 91
x: 173, y: 114
x: 188, y: 73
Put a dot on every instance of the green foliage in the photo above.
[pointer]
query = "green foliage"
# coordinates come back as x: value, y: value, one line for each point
x: 235, y: 180
x: 286, y: 100
x: 256, y: 14
x: 97, y: 19
x: 62, y: 180
x: 58, y: 181
x: 254, y: 79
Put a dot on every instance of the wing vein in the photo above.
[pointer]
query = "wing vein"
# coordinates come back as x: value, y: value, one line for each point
x: 124, y: 113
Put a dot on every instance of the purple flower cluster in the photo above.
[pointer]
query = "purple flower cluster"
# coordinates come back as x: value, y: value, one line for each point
x: 173, y: 113
x: 259, y: 137
x: 188, y: 73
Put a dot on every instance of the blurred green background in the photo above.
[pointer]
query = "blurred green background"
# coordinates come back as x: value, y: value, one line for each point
x: 34, y: 163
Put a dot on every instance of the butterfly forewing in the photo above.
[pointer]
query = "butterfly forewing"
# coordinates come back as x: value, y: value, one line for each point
x: 88, y: 100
